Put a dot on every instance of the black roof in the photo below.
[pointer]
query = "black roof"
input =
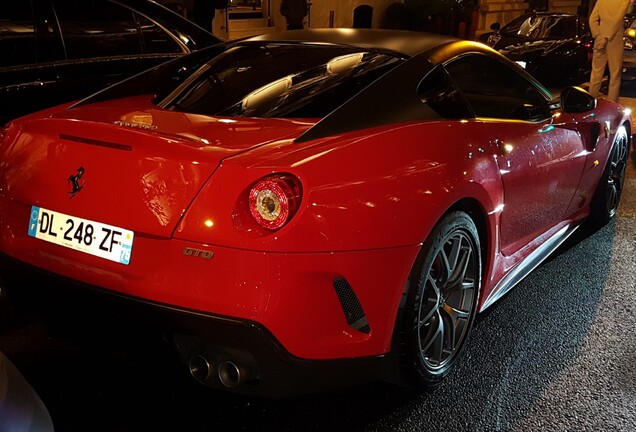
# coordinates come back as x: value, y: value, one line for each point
x: 396, y: 89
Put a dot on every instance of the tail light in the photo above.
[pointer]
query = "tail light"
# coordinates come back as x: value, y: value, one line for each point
x: 274, y: 200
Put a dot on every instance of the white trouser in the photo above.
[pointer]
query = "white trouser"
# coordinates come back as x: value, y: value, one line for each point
x: 611, y: 55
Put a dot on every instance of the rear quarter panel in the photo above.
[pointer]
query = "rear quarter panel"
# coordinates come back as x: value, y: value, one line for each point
x: 386, y: 187
x: 369, y: 200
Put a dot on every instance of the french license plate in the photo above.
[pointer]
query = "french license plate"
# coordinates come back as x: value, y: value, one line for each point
x: 94, y: 238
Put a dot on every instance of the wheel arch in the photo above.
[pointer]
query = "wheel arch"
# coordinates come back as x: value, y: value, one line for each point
x: 473, y: 208
x: 628, y: 128
x: 399, y: 345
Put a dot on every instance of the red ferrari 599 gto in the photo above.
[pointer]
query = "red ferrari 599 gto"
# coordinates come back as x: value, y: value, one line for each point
x: 303, y: 209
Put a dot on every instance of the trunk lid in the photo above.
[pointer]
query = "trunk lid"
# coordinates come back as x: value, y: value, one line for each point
x: 131, y: 168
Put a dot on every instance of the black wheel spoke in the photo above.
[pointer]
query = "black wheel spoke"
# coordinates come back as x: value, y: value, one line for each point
x: 612, y: 197
x: 456, y: 320
x: 432, y: 299
x: 459, y: 273
x: 621, y: 153
x: 466, y: 255
x: 467, y: 284
x: 455, y: 314
x: 449, y: 261
x: 455, y: 289
x: 433, y: 341
x: 448, y: 300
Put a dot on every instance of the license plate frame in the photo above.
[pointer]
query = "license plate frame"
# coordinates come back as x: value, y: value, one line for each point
x: 84, y: 235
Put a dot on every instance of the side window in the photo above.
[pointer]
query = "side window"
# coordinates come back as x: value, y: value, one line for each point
x: 441, y: 97
x: 155, y: 39
x: 98, y: 29
x: 564, y: 28
x: 17, y: 34
x: 496, y: 90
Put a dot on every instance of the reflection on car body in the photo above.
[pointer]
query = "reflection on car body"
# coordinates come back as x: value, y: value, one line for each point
x: 314, y: 224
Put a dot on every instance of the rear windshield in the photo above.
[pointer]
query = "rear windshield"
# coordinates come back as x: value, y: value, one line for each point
x: 276, y: 80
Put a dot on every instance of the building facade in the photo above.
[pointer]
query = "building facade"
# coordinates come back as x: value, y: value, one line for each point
x: 249, y: 17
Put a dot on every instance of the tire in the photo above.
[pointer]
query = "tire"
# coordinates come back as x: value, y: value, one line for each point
x: 610, y: 188
x: 441, y: 302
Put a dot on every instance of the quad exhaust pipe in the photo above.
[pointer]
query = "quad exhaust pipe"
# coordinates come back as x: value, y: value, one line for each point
x: 200, y: 368
x: 230, y: 374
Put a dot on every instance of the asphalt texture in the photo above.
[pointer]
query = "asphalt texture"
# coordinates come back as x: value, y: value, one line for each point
x: 558, y: 353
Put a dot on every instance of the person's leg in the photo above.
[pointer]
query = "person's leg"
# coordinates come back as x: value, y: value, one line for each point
x: 599, y: 60
x: 615, y: 63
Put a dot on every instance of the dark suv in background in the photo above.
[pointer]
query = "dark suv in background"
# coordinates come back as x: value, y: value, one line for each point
x: 55, y: 51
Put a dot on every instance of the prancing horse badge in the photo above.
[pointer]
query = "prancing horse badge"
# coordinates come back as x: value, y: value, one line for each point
x: 76, y: 183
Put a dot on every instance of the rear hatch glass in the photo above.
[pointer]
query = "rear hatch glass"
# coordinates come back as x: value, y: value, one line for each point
x: 279, y: 80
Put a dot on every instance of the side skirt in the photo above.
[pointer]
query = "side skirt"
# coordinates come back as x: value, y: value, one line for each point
x: 531, y: 262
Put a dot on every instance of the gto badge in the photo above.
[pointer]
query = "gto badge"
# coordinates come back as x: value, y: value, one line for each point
x: 74, y: 181
x: 199, y: 253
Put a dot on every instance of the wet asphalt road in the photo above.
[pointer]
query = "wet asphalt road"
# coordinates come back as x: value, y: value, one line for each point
x: 556, y: 354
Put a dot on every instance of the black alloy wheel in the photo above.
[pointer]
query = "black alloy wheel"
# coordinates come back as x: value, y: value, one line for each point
x: 443, y: 303
x: 610, y: 188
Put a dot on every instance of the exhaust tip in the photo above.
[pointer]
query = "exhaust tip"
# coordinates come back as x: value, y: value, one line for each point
x: 231, y: 375
x: 200, y: 368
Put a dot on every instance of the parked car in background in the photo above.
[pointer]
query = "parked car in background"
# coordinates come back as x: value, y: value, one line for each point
x: 629, y: 43
x: 53, y: 51
x: 305, y: 209
x: 554, y: 47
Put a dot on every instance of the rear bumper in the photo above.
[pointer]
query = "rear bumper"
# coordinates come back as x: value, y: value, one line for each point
x: 297, y: 297
x: 266, y: 367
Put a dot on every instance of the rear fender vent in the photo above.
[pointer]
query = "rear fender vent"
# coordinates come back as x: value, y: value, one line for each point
x: 595, y: 132
x: 351, y: 306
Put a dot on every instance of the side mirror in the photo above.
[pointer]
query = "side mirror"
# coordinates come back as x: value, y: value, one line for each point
x: 495, y: 27
x: 576, y: 100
